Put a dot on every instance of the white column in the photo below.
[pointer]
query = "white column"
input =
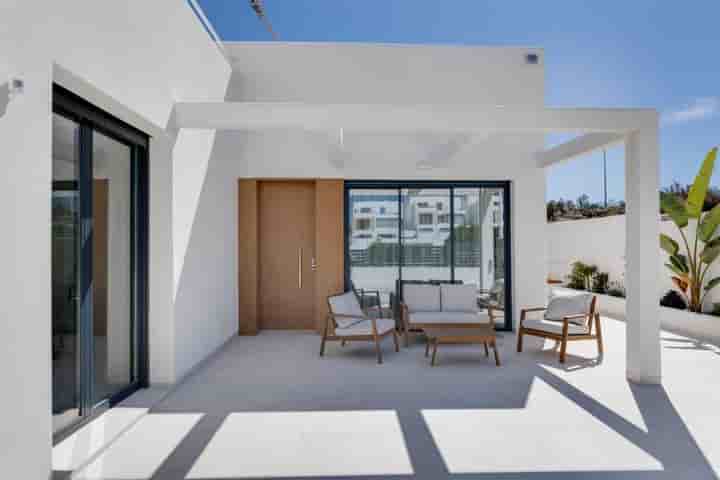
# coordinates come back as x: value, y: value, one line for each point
x: 161, y: 321
x: 642, y: 272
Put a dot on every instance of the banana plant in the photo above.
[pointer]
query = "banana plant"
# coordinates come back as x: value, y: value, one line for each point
x: 690, y: 262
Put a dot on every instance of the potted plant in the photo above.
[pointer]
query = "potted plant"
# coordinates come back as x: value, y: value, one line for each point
x: 690, y: 262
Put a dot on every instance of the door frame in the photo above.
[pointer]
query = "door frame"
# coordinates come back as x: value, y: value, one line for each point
x: 91, y: 119
x: 329, y: 253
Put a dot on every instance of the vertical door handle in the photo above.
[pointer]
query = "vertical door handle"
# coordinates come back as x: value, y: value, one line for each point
x: 299, y: 267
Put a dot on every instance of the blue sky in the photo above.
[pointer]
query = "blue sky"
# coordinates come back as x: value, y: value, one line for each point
x: 639, y: 53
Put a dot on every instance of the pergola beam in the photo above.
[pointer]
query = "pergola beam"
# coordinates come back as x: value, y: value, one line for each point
x: 578, y: 147
x: 407, y: 118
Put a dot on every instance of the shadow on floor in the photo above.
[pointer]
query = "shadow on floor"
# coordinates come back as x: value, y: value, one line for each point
x: 273, y: 374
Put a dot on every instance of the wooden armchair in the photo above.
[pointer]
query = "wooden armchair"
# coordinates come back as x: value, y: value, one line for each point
x: 347, y: 322
x: 568, y: 327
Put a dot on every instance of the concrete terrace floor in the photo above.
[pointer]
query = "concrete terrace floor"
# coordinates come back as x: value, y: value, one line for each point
x: 270, y: 407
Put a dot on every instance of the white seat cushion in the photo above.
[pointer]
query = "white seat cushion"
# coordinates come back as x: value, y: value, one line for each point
x: 555, y: 327
x: 421, y: 298
x: 458, y: 298
x: 447, y: 318
x: 364, y: 327
x: 561, y: 306
x: 346, y: 304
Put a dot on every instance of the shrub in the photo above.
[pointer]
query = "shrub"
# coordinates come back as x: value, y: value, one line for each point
x: 673, y: 299
x: 616, y: 289
x: 691, y: 259
x: 581, y: 276
x: 600, y: 282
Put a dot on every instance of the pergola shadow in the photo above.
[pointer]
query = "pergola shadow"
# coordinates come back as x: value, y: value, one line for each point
x: 207, y: 392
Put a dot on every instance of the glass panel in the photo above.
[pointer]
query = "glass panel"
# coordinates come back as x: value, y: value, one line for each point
x: 112, y: 252
x: 426, y: 234
x: 374, y: 246
x: 65, y: 217
x: 479, y: 244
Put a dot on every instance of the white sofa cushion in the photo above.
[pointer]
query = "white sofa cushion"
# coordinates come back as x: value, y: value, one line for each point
x: 551, y: 326
x: 421, y: 298
x: 561, y: 306
x: 364, y: 327
x: 346, y: 304
x: 447, y: 318
x: 458, y: 298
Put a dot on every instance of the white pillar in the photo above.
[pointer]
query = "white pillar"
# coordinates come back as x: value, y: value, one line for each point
x: 642, y: 272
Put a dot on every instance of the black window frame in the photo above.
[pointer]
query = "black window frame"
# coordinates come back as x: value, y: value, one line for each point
x: 503, y: 185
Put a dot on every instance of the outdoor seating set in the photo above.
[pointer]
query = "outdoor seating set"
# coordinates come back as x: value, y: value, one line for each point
x: 449, y: 313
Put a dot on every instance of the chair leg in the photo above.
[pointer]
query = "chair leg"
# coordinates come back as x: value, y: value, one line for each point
x: 378, y: 350
x: 563, y: 350
x: 407, y: 337
x: 396, y: 341
x: 497, y: 357
x: 322, y: 342
x: 342, y: 343
x: 487, y: 354
x: 520, y: 340
x: 434, y: 354
x: 598, y: 331
x: 427, y: 347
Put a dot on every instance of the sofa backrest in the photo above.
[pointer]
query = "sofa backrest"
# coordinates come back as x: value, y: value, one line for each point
x: 422, y: 297
x: 426, y: 297
x: 459, y: 298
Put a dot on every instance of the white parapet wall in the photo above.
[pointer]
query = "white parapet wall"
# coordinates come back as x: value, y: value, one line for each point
x: 601, y: 241
x: 700, y: 327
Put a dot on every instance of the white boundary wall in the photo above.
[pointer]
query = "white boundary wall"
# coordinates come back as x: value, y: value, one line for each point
x: 601, y: 241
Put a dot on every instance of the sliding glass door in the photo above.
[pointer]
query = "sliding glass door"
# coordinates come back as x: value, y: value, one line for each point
x: 430, y: 231
x: 98, y: 260
x: 65, y: 275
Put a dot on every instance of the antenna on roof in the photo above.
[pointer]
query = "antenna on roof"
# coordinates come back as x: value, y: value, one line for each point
x: 257, y: 6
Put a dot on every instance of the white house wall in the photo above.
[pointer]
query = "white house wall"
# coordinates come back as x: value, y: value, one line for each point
x: 352, y: 73
x: 134, y: 59
x: 390, y: 74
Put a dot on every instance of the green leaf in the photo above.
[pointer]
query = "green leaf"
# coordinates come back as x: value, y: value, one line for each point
x: 713, y: 243
x: 709, y: 223
x: 668, y: 244
x: 712, y: 283
x: 698, y: 190
x: 680, y: 262
x: 675, y: 208
x: 674, y: 269
x: 709, y: 255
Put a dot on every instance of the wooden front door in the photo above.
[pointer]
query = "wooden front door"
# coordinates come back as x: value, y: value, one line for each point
x: 286, y: 217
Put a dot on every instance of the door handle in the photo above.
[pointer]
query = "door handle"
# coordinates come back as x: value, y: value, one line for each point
x: 313, y: 264
x: 299, y: 267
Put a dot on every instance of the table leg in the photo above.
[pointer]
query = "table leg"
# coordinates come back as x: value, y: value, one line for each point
x: 427, y: 346
x: 497, y: 358
x: 487, y: 354
x: 434, y: 354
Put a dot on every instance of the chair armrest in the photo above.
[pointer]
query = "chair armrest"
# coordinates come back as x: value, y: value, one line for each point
x: 525, y: 311
x: 578, y: 315
x: 533, y: 309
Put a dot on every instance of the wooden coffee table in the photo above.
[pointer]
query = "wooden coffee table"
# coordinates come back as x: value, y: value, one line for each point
x: 484, y: 334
